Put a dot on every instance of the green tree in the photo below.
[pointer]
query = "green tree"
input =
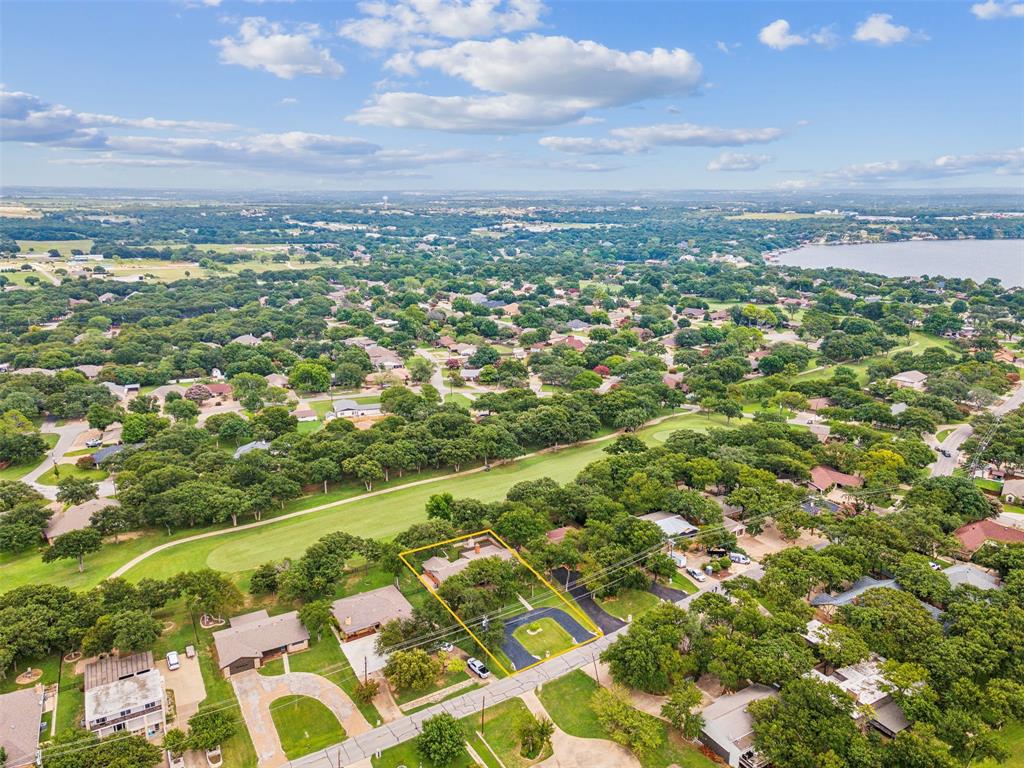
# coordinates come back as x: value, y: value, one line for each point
x: 365, y: 469
x: 77, y: 748
x: 411, y: 669
x: 309, y: 377
x: 678, y: 710
x: 534, y: 735
x: 208, y: 730
x: 74, y: 545
x: 628, y: 726
x: 441, y: 740
x: 316, y: 616
x: 76, y: 490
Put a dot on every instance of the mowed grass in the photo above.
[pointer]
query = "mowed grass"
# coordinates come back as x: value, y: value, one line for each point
x: 1011, y: 737
x: 63, y: 246
x: 542, y: 637
x: 567, y: 700
x: 628, y: 603
x: 54, y: 475
x: 304, y: 725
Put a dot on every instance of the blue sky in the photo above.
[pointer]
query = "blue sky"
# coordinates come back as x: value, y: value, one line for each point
x: 512, y: 94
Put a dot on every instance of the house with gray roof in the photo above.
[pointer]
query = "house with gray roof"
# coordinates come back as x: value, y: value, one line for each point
x: 255, y: 445
x: 20, y: 714
x: 254, y: 638
x: 76, y: 518
x: 365, y: 613
x: 969, y: 574
x: 829, y: 603
x: 729, y: 728
x: 672, y: 525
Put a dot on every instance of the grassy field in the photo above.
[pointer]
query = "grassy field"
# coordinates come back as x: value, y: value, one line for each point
x: 64, y: 246
x: 943, y: 434
x: 304, y: 725
x: 50, y: 476
x: 679, y: 581
x: 698, y: 422
x: 629, y: 602
x: 542, y: 637
x: 567, y: 700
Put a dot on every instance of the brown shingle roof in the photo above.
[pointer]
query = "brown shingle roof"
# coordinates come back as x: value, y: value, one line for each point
x: 366, y: 610
x: 253, y: 633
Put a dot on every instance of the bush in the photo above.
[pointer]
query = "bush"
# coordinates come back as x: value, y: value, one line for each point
x: 365, y: 691
x: 534, y: 735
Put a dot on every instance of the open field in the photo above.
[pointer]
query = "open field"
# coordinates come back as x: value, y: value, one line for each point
x: 628, y: 603
x: 63, y: 246
x: 543, y: 637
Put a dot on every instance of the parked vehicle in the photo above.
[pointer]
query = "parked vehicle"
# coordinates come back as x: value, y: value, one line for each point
x: 678, y: 558
x: 94, y: 443
x: 478, y: 667
x: 934, y: 566
x: 696, y: 574
x: 173, y: 662
x: 717, y: 552
x: 739, y: 557
x: 945, y: 453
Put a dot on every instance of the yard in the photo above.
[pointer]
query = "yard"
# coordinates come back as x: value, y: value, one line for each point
x: 54, y: 475
x: 679, y: 581
x: 628, y: 603
x: 304, y: 725
x: 448, y: 678
x: 567, y: 700
x: 16, y: 471
x: 1011, y: 737
x: 543, y: 637
x: 63, y: 246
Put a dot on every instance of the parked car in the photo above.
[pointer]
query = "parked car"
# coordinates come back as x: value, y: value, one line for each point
x: 717, y: 552
x: 934, y: 566
x: 94, y: 443
x: 478, y: 667
x: 696, y: 574
x: 739, y: 557
x: 173, y: 662
x: 945, y: 453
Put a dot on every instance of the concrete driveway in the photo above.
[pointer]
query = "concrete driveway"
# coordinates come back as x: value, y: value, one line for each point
x: 256, y: 692
x: 362, y: 655
x: 187, y: 684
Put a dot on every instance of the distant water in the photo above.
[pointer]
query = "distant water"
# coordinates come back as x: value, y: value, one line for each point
x: 977, y: 259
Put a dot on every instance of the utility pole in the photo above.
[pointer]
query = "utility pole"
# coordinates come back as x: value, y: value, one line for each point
x: 482, y: 698
x: 364, y: 670
x: 597, y: 675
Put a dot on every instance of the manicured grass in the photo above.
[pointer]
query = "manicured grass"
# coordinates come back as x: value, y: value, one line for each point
x: 698, y: 422
x: 305, y: 427
x: 628, y: 602
x: 16, y: 471
x: 304, y: 725
x: 447, y: 679
x: 53, y: 475
x: 452, y: 695
x: 567, y: 700
x: 988, y: 485
x: 943, y: 434
x: 405, y: 755
x: 500, y: 723
x: 679, y: 581
x: 1011, y: 737
x: 458, y: 399
x: 542, y: 637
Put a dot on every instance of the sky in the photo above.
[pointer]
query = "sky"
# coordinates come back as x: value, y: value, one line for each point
x: 512, y: 94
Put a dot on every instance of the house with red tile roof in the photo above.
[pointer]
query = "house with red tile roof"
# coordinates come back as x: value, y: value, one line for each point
x: 973, y: 535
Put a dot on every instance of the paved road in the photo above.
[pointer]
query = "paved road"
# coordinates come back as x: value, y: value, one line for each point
x: 68, y: 435
x: 945, y: 465
x: 604, y: 620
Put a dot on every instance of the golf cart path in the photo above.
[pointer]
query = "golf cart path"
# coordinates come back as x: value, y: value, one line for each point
x: 122, y: 570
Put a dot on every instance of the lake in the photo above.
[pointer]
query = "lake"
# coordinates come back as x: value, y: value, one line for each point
x: 977, y: 259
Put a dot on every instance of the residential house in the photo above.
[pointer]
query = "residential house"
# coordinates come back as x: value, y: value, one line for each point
x: 974, y: 535
x: 815, y: 404
x: 246, y: 339
x: 304, y: 414
x: 729, y: 728
x: 674, y: 381
x: 220, y: 390
x: 76, y: 518
x: 577, y: 325
x: 1012, y: 492
x: 20, y: 714
x: 693, y: 313
x: 470, y: 374
x: 672, y: 525
x: 276, y: 380
x: 254, y: 638
x: 971, y: 575
x: 824, y: 478
x: 106, y: 298
x: 863, y: 682
x: 105, y: 453
x: 910, y: 380
x: 365, y: 613
x: 828, y: 604
x: 383, y: 359
x: 347, y: 409
x: 89, y: 371
x: 125, y: 694
x: 437, y: 569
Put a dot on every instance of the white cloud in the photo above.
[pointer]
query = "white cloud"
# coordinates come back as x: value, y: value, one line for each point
x: 1008, y: 162
x: 737, y: 161
x: 92, y: 139
x: 288, y: 100
x: 879, y: 29
x: 415, y: 23
x: 798, y: 184
x: 725, y: 47
x: 539, y: 81
x: 993, y: 9
x: 624, y: 141
x: 826, y: 37
x: 266, y: 45
x: 778, y: 36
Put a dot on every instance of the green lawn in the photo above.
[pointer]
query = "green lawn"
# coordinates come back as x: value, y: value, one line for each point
x: 55, y: 474
x: 1012, y: 739
x: 304, y: 725
x: 458, y: 399
x: 988, y: 485
x: 679, y: 581
x: 16, y: 471
x: 943, y: 434
x: 567, y: 700
x: 629, y: 602
x: 499, y: 730
x: 405, y: 756
x: 698, y: 422
x: 543, y: 637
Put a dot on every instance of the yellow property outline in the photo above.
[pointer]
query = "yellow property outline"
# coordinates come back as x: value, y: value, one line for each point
x: 574, y: 609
